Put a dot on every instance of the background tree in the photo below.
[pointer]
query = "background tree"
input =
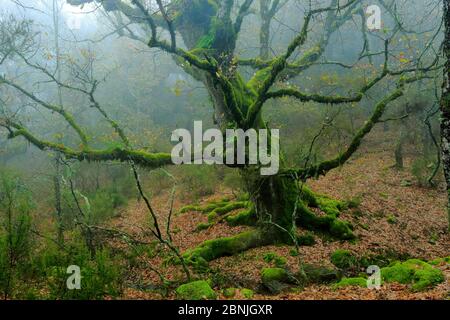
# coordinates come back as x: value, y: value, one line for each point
x: 445, y: 102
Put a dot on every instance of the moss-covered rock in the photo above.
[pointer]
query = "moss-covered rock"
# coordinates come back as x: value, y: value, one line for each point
x: 414, y: 271
x: 343, y: 259
x: 319, y: 274
x: 197, y: 290
x: 274, y: 274
x: 247, y: 293
x: 346, y: 282
x: 275, y: 279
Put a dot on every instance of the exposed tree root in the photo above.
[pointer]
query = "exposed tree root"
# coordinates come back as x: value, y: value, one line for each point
x: 328, y: 223
x: 206, y: 208
x: 228, y: 246
x: 223, y: 210
x: 243, y: 218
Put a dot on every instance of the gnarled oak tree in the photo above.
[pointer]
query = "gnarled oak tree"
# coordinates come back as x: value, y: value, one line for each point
x: 202, y: 37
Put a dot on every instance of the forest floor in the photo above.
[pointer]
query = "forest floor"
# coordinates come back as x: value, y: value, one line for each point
x: 395, y: 217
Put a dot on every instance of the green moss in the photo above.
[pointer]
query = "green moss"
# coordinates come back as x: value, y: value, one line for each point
x: 221, y: 208
x: 230, y: 207
x: 309, y: 55
x: 269, y: 275
x: 399, y: 272
x: 414, y: 271
x: 345, y: 282
x: 258, y: 78
x: 439, y: 261
x: 207, y: 208
x: 202, y: 226
x: 244, y: 218
x: 427, y: 278
x: 326, y: 204
x: 391, y: 219
x: 190, y: 208
x: 308, y: 196
x: 244, y: 94
x: 330, y: 206
x: 213, y: 249
x: 205, y: 42
x: 269, y: 257
x: 276, y: 280
x: 306, y: 239
x: 220, y: 36
x: 212, y: 217
x: 229, y: 292
x: 247, y: 293
x: 343, y: 259
x: 341, y: 230
x: 243, y: 197
x: 197, y: 290
x: 279, y: 262
x: 329, y: 223
x: 319, y: 274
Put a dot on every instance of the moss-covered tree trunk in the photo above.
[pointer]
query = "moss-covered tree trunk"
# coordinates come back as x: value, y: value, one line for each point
x: 275, y: 199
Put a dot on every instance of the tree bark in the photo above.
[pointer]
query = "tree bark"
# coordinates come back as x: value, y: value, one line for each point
x: 399, y: 148
x: 445, y: 105
x: 275, y: 200
x: 58, y: 208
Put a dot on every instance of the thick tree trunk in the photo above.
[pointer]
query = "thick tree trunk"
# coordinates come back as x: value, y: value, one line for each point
x: 445, y: 104
x: 265, y: 39
x: 275, y: 199
x: 399, y: 148
x: 282, y: 203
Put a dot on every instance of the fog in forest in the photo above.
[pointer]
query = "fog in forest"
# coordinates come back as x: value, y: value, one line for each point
x: 91, y: 93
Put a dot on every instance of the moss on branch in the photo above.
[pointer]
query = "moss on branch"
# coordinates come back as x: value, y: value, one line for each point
x: 140, y: 157
x: 325, y: 166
